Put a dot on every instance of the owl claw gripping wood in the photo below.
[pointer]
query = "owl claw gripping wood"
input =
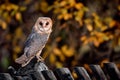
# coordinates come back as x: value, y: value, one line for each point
x: 36, y: 41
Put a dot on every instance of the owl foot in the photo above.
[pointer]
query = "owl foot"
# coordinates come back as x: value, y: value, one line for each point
x: 39, y: 59
x: 26, y: 62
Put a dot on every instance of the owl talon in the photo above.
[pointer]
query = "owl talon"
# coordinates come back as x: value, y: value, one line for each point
x: 40, y: 59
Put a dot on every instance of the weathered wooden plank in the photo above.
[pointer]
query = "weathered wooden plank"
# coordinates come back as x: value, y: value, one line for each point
x: 25, y: 78
x: 82, y: 73
x: 5, y: 76
x: 42, y: 73
x: 36, y: 76
x: 97, y: 72
x: 32, y: 66
x: 48, y: 75
x: 112, y: 70
x: 11, y: 71
x: 63, y: 74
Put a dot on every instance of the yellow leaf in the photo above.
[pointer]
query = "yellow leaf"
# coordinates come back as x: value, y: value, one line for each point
x: 6, y: 15
x: 59, y: 64
x: 72, y: 3
x: 74, y: 75
x: 67, y: 16
x: 104, y: 27
x: 85, y: 42
x: 62, y: 57
x: 57, y: 51
x: 64, y: 11
x: 99, y: 34
x: 44, y: 6
x: 44, y: 55
x: 96, y: 43
x: 56, y: 11
x: 89, y: 27
x: 52, y: 58
x: 63, y: 3
x: 18, y: 16
x: 108, y: 19
x: 23, y: 8
x: 77, y: 18
x: 60, y: 16
x: 88, y: 21
x: 81, y: 14
x: 4, y: 25
x: 8, y: 7
x: 15, y: 56
x: 15, y: 7
x: 94, y: 40
x: 12, y: 13
x: 69, y: 52
x: 97, y: 23
x: 3, y: 6
x: 95, y: 16
x: 18, y: 32
x: 17, y: 49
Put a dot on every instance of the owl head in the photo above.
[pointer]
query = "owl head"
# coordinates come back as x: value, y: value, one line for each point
x: 43, y: 25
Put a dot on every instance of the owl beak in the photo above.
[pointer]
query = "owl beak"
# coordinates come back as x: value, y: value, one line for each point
x: 44, y: 26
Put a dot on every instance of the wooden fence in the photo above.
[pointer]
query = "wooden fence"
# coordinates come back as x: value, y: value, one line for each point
x: 108, y: 72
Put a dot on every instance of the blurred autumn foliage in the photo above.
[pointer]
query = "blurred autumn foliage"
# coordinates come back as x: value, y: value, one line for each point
x: 84, y: 31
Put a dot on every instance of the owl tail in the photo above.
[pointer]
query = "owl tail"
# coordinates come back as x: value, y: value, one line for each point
x: 23, y: 60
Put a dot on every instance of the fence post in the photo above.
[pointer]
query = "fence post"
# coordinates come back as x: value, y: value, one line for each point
x: 5, y: 76
x: 63, y: 74
x: 112, y: 71
x: 97, y: 72
x: 82, y: 73
x: 36, y: 76
x: 48, y: 75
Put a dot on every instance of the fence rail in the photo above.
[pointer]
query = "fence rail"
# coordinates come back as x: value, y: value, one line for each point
x: 108, y: 72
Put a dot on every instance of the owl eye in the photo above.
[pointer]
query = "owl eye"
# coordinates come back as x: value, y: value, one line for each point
x: 40, y: 23
x: 47, y: 23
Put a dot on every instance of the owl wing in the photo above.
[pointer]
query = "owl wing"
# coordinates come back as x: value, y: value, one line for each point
x: 29, y: 40
x: 34, y: 44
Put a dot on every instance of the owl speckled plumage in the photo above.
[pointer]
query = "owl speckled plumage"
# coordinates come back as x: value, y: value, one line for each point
x: 36, y: 41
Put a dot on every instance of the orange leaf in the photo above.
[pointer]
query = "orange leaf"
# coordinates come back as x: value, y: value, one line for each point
x: 58, y: 39
x: 112, y: 23
x: 78, y: 6
x: 83, y: 38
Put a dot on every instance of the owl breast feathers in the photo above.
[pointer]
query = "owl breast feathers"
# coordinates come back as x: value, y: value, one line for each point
x: 36, y: 41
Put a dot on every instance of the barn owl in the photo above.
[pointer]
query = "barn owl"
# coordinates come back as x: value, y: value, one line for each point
x: 36, y: 41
